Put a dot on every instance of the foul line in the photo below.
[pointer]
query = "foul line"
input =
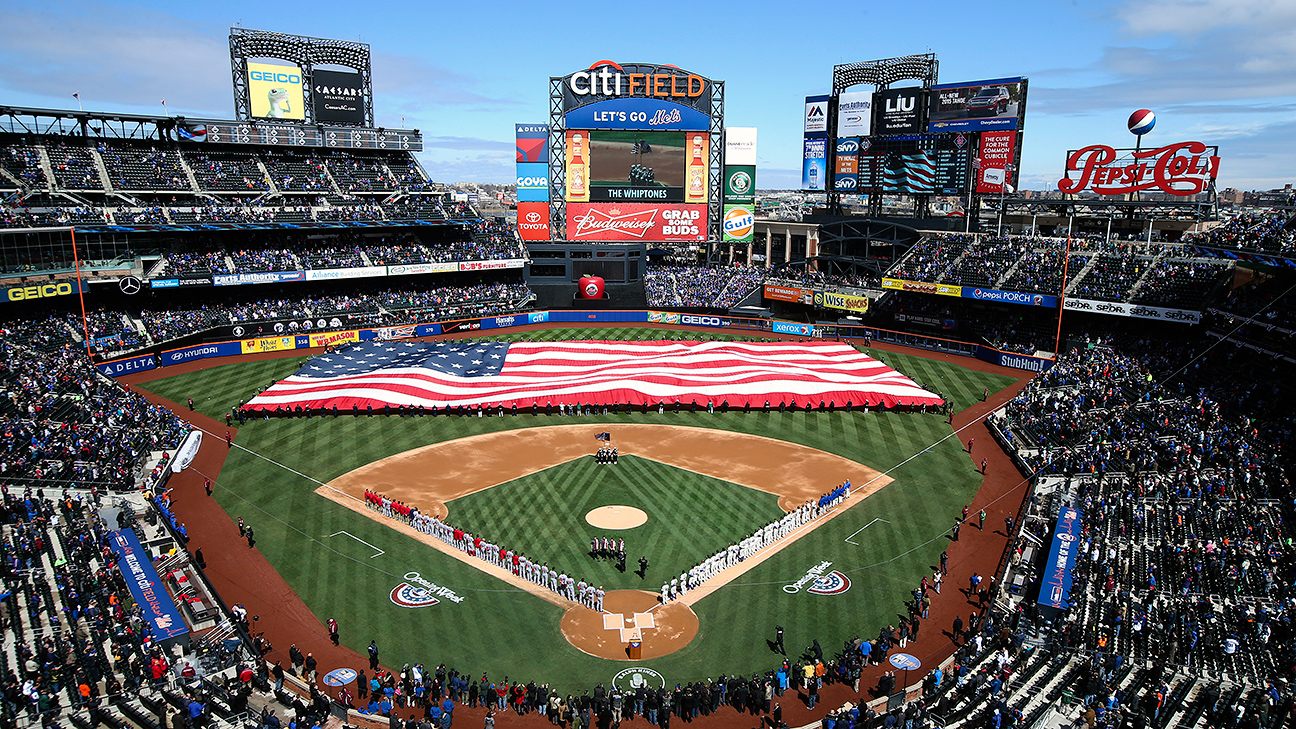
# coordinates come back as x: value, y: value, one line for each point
x: 358, y: 539
x: 866, y: 526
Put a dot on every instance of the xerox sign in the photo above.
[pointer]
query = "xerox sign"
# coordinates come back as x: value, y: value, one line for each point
x: 636, y: 221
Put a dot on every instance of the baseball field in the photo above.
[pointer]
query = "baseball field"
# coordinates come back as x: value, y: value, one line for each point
x: 703, y: 480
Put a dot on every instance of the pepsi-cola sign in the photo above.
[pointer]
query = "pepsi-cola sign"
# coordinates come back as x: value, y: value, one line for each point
x: 1183, y: 168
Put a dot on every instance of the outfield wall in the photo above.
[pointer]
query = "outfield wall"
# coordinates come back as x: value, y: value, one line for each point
x: 288, y: 342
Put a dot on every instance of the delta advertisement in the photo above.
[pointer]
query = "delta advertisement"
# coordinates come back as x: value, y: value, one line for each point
x: 338, y: 97
x: 977, y: 106
x: 636, y: 221
x: 275, y: 91
x: 533, y: 220
x: 128, y: 366
x: 922, y: 287
x: 996, y: 155
x: 532, y: 143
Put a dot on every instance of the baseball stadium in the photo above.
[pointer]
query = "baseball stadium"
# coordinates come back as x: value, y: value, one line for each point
x: 297, y: 436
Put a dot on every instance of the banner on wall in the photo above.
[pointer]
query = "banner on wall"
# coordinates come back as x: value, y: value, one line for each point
x: 788, y: 294
x: 844, y: 302
x: 268, y: 344
x: 788, y: 327
x: 1010, y: 297
x: 996, y: 155
x: 331, y: 338
x: 922, y: 287
x: 1137, y: 311
x: 127, y: 366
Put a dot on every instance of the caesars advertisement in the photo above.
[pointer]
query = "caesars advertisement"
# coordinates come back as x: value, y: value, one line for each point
x: 275, y: 91
x: 637, y: 153
x: 338, y: 97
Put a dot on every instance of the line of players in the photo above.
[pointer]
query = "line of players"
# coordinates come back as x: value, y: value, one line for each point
x: 606, y: 454
x: 760, y: 539
x: 587, y: 594
x: 609, y: 548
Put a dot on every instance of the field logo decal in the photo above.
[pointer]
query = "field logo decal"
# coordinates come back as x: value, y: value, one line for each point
x: 637, y: 677
x: 833, y: 583
x: 416, y: 592
x: 811, y: 575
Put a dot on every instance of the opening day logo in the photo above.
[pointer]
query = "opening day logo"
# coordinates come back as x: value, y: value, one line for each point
x: 416, y: 592
x: 833, y: 583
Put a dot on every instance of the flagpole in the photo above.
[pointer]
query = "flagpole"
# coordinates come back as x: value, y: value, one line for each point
x: 1066, y: 261
x: 77, y: 95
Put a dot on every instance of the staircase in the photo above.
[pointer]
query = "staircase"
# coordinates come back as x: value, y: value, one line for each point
x: 1142, y: 279
x: 189, y: 175
x: 265, y: 173
x: 1070, y: 285
x: 46, y: 167
x: 103, y: 170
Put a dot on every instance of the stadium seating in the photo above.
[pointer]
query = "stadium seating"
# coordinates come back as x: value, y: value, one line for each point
x: 715, y: 287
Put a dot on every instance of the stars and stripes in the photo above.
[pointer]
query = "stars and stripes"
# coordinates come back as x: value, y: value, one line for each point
x: 593, y: 373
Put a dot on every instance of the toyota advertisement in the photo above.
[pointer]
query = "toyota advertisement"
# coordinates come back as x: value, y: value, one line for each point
x: 975, y: 106
x: 533, y: 220
x: 636, y: 222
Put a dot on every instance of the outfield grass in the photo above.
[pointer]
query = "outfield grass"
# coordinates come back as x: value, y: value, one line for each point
x: 336, y: 577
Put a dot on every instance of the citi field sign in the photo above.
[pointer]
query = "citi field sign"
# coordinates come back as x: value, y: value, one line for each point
x: 605, y: 80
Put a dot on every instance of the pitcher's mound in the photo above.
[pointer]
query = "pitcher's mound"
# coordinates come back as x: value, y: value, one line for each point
x: 616, y: 517
x: 626, y: 615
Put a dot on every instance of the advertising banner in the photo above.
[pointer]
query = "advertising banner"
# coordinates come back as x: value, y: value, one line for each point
x: 787, y: 327
x: 275, y: 91
x: 975, y: 106
x: 740, y: 184
x: 790, y: 295
x: 846, y: 174
x: 610, y: 80
x: 814, y: 164
x: 1064, y: 553
x: 816, y: 115
x: 387, y: 334
x: 491, y: 265
x: 532, y: 182
x: 643, y: 114
x: 268, y: 344
x: 533, y: 220
x: 427, y: 330
x: 338, y: 97
x: 331, y: 338
x: 900, y: 111
x: 636, y: 221
x: 1010, y: 297
x: 696, y: 320
x: 663, y: 317
x: 504, y: 322
x: 201, y: 351
x: 42, y: 291
x: 146, y: 587
x: 127, y: 366
x: 922, y: 287
x: 1116, y: 308
x: 740, y: 146
x: 532, y: 143
x: 1183, y: 168
x: 241, y: 279
x: 855, y: 114
x: 333, y: 274
x: 577, y: 152
x: 453, y: 327
x: 570, y: 316
x: 845, y: 302
x: 179, y: 283
x: 996, y: 154
x: 1012, y: 359
x: 537, y: 317
x: 409, y: 269
x: 738, y: 224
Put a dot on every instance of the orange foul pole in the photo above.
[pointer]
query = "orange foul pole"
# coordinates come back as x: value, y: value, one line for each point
x: 76, y: 259
x: 1066, y: 261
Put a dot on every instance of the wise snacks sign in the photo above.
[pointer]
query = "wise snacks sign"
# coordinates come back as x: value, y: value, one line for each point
x: 1183, y: 168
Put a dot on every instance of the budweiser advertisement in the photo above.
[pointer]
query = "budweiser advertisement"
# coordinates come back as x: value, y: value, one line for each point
x: 533, y: 220
x: 636, y: 221
x: 1183, y: 168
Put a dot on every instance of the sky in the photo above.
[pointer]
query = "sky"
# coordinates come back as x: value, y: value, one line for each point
x: 1217, y: 71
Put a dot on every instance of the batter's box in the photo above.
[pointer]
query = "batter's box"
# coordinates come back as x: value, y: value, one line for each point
x: 612, y: 621
x: 644, y: 621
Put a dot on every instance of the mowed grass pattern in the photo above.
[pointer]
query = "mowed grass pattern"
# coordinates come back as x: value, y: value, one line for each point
x: 336, y: 577
x: 690, y: 517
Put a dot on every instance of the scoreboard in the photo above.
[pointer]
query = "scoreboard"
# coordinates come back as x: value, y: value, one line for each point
x: 302, y: 135
x: 930, y: 164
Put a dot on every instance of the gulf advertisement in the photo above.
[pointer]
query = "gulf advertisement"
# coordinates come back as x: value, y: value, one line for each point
x: 922, y: 287
x: 275, y: 91
x: 532, y: 143
x: 640, y: 114
x: 977, y: 106
x: 533, y: 220
x: 636, y: 221
x: 738, y: 224
x: 995, y: 155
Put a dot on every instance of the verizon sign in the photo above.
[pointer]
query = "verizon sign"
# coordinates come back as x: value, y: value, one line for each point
x: 1184, y: 168
x: 636, y: 221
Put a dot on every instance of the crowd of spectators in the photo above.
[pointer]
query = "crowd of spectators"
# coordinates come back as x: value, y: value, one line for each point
x: 1177, y: 282
x: 707, y: 286
x: 1109, y: 277
x: 1265, y: 231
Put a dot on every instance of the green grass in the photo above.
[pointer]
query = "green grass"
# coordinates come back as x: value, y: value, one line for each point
x: 336, y: 577
x: 547, y: 517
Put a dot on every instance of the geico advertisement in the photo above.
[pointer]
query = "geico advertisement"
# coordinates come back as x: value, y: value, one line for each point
x: 275, y: 92
x: 40, y: 291
x: 636, y: 221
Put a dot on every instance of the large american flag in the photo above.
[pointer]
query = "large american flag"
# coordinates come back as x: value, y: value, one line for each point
x: 592, y: 373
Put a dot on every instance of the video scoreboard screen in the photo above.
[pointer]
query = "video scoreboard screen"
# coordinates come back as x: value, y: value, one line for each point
x: 929, y: 164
